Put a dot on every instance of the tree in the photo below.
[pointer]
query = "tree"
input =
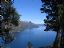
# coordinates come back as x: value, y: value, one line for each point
x: 54, y: 19
x: 10, y: 17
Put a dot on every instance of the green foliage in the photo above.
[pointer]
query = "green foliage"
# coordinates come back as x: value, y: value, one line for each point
x: 15, y: 19
x: 55, y: 10
x: 10, y: 16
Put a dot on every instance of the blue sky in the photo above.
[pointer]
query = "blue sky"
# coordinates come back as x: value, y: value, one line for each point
x: 30, y: 10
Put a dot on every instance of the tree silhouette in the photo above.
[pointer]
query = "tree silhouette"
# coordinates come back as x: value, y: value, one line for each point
x: 8, y: 18
x: 54, y: 19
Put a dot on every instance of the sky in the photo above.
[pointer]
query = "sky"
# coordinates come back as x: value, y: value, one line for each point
x: 30, y: 10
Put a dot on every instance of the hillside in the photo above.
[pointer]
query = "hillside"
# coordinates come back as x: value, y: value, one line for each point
x: 24, y: 25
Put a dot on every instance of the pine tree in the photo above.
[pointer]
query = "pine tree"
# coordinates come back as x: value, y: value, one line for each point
x: 54, y: 19
x: 8, y: 17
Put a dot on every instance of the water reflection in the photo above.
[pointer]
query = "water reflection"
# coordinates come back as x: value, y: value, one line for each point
x: 35, y: 37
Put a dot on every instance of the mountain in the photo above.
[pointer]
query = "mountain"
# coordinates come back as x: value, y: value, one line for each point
x: 24, y: 25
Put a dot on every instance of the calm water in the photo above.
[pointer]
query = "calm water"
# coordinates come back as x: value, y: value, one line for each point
x: 37, y: 36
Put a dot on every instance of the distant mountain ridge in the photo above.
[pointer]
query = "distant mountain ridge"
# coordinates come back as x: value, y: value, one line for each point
x: 24, y: 25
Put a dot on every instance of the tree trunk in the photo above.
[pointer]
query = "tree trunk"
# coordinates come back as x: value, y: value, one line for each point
x: 59, y: 37
x: 57, y: 42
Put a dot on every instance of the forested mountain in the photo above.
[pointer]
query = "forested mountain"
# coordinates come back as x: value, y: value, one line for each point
x: 24, y: 25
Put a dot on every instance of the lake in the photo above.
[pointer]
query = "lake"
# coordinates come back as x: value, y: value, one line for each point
x: 36, y: 36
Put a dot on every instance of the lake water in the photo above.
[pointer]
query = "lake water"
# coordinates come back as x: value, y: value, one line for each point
x: 37, y: 36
